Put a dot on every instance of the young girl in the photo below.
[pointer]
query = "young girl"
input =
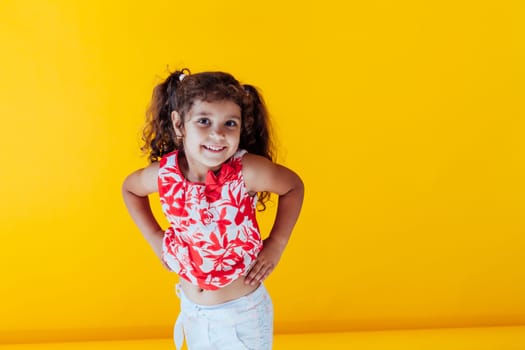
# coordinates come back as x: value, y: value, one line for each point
x: 208, y: 142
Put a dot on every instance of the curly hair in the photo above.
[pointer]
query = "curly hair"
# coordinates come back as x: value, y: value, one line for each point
x: 179, y: 91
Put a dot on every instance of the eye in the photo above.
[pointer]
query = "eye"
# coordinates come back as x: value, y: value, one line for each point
x: 231, y: 123
x: 203, y: 121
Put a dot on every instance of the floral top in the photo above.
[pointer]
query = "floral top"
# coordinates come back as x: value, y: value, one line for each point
x: 213, y: 236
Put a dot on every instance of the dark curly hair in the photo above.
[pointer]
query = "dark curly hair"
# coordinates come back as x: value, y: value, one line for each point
x: 176, y: 94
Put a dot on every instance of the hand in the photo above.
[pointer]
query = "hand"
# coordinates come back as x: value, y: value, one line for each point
x: 265, y: 263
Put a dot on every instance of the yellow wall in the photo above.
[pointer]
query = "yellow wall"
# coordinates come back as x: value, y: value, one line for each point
x: 404, y: 118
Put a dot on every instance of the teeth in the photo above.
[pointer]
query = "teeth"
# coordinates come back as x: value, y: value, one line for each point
x: 214, y: 148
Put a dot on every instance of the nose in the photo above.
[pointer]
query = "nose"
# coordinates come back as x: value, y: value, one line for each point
x: 218, y: 132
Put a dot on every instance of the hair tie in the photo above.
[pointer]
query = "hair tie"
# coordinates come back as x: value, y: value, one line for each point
x: 182, y: 76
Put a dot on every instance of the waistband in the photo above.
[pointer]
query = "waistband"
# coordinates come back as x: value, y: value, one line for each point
x: 247, y: 300
x: 216, y: 312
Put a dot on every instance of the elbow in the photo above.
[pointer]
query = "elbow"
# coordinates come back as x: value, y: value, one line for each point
x: 129, y: 185
x: 125, y: 185
x: 300, y: 187
x: 297, y: 185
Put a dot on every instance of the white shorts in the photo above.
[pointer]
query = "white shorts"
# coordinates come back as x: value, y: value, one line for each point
x: 241, y: 324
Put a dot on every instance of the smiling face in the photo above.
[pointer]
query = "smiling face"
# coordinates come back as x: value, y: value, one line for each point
x: 210, y: 136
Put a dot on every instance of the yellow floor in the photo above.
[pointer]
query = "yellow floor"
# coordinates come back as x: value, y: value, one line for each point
x: 493, y: 338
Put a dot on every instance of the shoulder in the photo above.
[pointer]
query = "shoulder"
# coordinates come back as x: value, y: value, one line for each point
x: 143, y: 181
x: 253, y: 162
x: 152, y: 169
x: 261, y: 175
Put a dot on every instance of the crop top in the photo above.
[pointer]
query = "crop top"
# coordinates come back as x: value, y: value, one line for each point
x: 213, y: 236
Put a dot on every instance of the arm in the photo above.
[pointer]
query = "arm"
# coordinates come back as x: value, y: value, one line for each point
x: 135, y: 190
x: 260, y: 174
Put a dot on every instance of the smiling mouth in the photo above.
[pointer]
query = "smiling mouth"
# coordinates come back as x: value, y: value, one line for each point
x: 214, y: 148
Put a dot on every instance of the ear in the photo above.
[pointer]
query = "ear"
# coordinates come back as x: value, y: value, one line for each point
x: 177, y: 123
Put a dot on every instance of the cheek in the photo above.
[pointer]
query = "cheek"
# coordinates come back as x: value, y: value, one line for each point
x: 236, y: 136
x: 195, y: 133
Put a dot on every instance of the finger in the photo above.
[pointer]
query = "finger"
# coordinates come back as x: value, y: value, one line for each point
x: 262, y: 274
x: 253, y: 272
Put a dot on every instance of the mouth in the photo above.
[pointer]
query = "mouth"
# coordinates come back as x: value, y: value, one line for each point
x: 214, y: 148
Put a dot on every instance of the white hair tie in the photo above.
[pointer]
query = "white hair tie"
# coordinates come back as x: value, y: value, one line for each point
x: 182, y: 76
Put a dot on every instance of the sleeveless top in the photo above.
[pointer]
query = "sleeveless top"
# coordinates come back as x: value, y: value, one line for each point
x: 213, y: 236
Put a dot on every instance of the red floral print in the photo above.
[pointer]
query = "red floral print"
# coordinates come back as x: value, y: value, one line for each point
x: 213, y: 236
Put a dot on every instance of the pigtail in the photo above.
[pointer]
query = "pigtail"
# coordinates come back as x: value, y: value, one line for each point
x: 256, y: 133
x: 158, y: 134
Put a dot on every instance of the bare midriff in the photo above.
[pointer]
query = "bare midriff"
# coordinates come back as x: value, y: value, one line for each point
x: 232, y: 291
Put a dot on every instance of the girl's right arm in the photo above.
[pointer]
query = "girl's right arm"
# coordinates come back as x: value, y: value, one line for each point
x: 135, y: 190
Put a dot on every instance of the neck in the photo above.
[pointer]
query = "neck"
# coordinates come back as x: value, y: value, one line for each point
x: 191, y: 172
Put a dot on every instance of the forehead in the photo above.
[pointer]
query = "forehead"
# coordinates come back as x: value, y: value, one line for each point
x: 226, y: 108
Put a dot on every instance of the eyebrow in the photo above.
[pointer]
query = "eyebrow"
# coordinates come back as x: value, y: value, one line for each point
x: 207, y: 114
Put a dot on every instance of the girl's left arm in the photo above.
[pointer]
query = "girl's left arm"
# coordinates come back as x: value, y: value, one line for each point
x: 261, y: 174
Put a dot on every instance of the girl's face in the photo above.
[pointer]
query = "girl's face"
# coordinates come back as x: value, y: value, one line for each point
x: 210, y: 135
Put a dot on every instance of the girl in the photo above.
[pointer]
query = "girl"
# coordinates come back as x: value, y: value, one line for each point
x: 208, y: 142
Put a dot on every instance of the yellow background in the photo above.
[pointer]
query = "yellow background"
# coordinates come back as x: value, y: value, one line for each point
x: 404, y: 118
